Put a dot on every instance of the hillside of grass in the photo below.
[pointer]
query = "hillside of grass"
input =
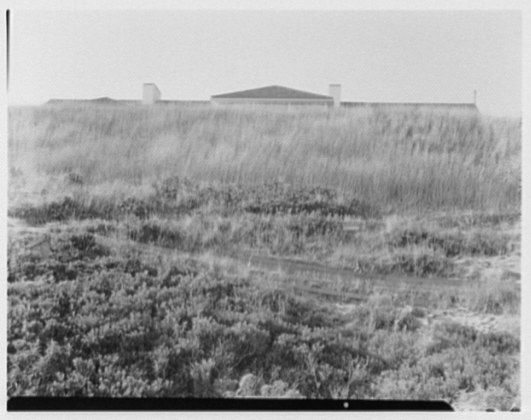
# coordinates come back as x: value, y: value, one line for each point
x: 396, y: 159
x: 197, y: 251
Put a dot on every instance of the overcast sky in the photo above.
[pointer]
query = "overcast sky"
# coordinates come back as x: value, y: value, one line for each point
x: 388, y: 56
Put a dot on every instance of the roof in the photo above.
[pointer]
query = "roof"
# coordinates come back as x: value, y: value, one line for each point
x: 273, y: 92
x: 102, y: 100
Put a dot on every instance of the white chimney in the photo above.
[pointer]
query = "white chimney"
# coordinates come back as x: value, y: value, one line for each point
x: 335, y: 92
x: 150, y: 94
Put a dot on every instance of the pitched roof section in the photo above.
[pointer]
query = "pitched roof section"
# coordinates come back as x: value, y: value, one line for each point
x: 273, y: 92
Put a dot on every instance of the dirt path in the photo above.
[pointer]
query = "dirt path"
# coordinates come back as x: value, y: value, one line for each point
x: 310, y: 278
x: 286, y: 267
x: 293, y: 266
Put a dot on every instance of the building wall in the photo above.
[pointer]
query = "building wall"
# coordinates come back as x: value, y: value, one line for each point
x: 271, y: 101
x: 335, y: 92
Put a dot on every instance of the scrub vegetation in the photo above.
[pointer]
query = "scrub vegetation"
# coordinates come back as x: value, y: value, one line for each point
x: 190, y: 251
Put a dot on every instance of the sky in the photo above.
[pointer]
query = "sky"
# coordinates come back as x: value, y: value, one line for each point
x: 380, y: 56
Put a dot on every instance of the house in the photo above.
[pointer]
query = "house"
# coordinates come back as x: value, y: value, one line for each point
x: 283, y: 95
x: 275, y: 95
x: 279, y: 95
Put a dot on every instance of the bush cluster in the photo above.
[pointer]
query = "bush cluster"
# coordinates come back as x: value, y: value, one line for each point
x: 265, y: 198
x: 179, y: 196
x: 129, y: 330
x: 459, y: 359
x: 281, y: 235
x: 452, y: 243
x: 118, y: 326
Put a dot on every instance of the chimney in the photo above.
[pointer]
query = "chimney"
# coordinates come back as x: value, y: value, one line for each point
x: 335, y: 92
x: 150, y: 94
x: 475, y: 96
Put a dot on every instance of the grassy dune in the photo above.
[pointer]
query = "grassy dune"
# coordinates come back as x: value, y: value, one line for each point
x: 398, y: 159
x: 130, y: 228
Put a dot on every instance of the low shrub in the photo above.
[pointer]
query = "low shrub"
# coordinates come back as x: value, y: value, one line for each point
x: 451, y: 244
x: 454, y: 335
x: 67, y: 255
x: 395, y: 347
x: 420, y: 264
x: 268, y: 198
x: 444, y: 375
x: 278, y: 234
x: 496, y: 296
x: 128, y: 330
x: 55, y: 211
x: 79, y: 209
x: 178, y: 197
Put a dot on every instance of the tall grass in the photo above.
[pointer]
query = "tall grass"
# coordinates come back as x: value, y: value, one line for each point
x: 396, y: 158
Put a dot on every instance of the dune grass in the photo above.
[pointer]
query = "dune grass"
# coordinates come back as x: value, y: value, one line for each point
x: 397, y: 159
x: 92, y: 320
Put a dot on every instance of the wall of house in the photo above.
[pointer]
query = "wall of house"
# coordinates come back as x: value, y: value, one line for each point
x: 335, y: 92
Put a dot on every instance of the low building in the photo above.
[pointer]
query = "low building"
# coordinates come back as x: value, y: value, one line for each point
x: 274, y: 95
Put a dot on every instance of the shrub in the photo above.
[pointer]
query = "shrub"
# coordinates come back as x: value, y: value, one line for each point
x: 496, y: 296
x: 420, y: 263
x: 100, y: 324
x: 451, y: 243
x: 395, y: 347
x: 278, y: 234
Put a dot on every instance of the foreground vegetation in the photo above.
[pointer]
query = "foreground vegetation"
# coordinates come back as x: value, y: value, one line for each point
x: 86, y: 321
x: 128, y: 279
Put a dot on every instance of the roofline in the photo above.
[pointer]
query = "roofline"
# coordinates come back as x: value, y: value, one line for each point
x: 247, y: 91
x: 319, y: 98
x: 251, y: 98
x: 286, y: 98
